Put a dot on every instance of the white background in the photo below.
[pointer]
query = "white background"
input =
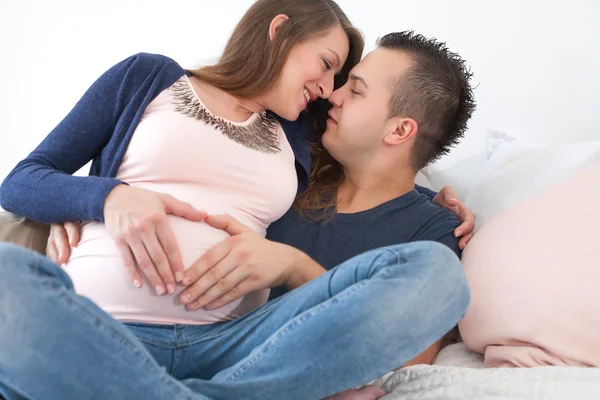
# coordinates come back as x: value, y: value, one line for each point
x: 536, y: 63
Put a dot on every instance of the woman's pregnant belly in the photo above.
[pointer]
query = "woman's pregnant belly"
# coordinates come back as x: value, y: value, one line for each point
x: 98, y: 273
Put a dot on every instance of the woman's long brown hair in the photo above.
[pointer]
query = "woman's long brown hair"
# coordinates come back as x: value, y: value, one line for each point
x: 251, y: 64
x: 319, y: 200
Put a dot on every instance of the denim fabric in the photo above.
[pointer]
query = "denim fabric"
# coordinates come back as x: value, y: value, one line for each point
x: 361, y: 319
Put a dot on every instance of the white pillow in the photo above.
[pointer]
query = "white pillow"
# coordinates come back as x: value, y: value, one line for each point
x: 460, y: 175
x: 463, y: 172
x: 516, y: 170
x: 422, y: 180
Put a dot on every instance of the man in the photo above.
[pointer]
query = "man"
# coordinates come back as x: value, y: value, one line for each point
x: 404, y: 105
x: 386, y: 124
x: 378, y: 151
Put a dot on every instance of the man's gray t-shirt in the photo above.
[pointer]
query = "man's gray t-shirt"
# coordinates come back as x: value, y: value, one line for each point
x: 408, y: 218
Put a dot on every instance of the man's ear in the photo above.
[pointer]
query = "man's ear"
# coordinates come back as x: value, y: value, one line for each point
x: 400, y: 130
x: 275, y: 24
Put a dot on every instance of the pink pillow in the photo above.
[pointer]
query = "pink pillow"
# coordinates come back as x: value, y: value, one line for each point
x: 534, y: 273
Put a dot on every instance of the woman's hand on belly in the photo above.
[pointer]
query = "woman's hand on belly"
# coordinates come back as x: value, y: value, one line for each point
x: 136, y: 219
x: 242, y: 263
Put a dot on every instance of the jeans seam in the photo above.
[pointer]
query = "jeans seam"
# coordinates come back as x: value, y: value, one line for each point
x: 149, y: 341
x: 400, y: 258
x: 177, y: 353
x: 46, y: 276
x: 35, y: 268
x: 153, y: 343
x: 386, y: 269
x: 264, y: 347
x: 36, y: 263
x: 10, y: 384
x: 177, y: 350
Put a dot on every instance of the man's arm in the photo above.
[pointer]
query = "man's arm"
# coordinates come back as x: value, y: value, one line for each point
x: 243, y: 263
x: 452, y: 242
x: 302, y: 269
x: 440, y: 227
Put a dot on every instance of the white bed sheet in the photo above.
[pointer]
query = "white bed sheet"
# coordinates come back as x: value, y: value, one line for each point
x: 459, y: 373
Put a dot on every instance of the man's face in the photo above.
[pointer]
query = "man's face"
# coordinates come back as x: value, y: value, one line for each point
x: 359, y: 119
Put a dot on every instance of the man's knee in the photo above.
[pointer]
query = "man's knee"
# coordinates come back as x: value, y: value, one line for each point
x: 440, y: 268
x: 446, y: 277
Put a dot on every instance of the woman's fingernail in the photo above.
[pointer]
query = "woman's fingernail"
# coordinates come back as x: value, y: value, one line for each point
x: 185, y: 298
x: 170, y: 288
x: 193, y: 305
x: 187, y: 280
x: 137, y: 283
x: 178, y: 276
x: 160, y: 290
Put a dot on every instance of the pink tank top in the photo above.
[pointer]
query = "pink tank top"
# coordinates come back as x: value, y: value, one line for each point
x: 180, y: 148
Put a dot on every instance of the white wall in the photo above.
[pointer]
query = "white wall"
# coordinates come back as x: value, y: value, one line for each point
x: 537, y: 63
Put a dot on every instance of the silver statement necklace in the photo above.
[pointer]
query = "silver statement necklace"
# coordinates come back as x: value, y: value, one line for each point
x: 259, y: 135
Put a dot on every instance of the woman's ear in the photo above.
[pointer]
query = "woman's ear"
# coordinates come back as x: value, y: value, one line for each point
x: 276, y: 23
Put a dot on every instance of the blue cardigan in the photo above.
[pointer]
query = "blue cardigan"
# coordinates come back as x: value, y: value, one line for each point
x: 99, y: 128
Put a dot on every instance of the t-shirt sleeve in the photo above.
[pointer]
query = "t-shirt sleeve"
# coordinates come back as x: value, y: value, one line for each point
x: 441, y: 229
x: 424, y: 191
x: 451, y: 241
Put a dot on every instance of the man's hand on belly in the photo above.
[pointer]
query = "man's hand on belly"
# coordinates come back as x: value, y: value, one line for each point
x: 243, y: 263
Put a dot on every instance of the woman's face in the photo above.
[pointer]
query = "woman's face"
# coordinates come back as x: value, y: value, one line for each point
x: 308, y: 73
